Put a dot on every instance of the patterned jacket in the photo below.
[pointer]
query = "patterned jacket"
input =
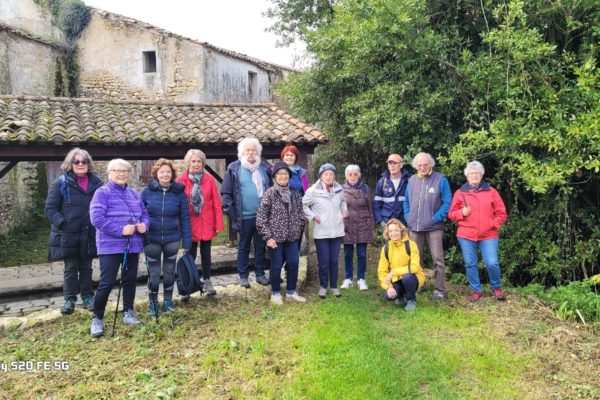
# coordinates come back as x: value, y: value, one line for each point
x: 283, y: 222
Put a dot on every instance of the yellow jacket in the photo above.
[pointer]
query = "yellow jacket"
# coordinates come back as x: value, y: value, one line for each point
x: 398, y: 262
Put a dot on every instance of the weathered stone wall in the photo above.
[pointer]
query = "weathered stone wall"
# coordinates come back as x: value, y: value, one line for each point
x: 18, y: 191
x: 28, y: 16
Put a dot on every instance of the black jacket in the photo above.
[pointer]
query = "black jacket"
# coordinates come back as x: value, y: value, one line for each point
x: 68, y: 209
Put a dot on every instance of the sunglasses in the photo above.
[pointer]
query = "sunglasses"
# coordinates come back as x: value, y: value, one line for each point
x: 80, y: 162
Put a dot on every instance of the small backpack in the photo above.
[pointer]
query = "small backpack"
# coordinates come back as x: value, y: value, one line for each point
x: 188, y: 279
x: 386, y: 251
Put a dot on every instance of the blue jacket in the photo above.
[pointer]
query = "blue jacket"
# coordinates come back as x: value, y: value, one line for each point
x: 169, y: 213
x: 231, y: 194
x: 388, y: 202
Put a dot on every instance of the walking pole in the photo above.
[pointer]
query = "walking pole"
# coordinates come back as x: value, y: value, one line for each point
x: 123, y: 269
x: 153, y: 297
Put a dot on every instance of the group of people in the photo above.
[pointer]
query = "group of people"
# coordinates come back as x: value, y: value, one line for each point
x: 269, y: 207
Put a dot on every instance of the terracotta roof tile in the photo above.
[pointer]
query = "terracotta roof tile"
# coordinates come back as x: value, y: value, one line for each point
x: 27, y: 119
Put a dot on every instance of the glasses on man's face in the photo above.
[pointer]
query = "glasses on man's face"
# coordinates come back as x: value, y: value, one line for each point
x: 80, y: 162
x: 392, y: 162
x: 120, y: 171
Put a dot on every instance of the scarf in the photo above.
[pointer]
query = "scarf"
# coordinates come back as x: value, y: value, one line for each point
x: 284, y: 191
x: 256, y: 176
x: 295, y: 169
x: 357, y: 185
x: 196, y: 197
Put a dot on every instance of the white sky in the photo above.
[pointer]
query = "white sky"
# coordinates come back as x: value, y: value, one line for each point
x: 236, y: 25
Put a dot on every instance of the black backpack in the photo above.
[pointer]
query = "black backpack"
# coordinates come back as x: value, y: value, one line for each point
x: 386, y: 251
x: 188, y: 279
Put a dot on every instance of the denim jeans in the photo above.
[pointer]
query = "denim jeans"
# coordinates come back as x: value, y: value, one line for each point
x: 361, y: 260
x: 248, y: 234
x: 77, y: 278
x: 287, y: 251
x: 153, y: 252
x: 407, y: 286
x: 205, y: 259
x: 109, y: 267
x: 328, y: 252
x: 489, y: 253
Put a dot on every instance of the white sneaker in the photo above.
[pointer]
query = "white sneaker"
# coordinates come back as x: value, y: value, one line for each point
x: 362, y: 284
x: 295, y: 297
x: 276, y: 299
x: 346, y: 284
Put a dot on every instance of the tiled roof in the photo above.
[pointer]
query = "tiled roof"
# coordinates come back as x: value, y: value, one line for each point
x: 28, y: 120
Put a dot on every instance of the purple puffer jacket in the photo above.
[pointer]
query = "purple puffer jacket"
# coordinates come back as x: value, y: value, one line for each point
x: 111, y: 209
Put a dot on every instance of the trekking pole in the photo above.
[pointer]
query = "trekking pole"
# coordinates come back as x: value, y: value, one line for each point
x: 153, y: 297
x: 123, y: 269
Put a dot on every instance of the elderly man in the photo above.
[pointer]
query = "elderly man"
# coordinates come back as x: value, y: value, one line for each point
x: 389, y: 192
x: 244, y: 184
x: 426, y: 205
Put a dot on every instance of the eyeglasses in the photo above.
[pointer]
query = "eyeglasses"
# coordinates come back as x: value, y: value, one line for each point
x: 392, y: 162
x: 282, y: 173
x: 80, y: 162
x: 120, y: 171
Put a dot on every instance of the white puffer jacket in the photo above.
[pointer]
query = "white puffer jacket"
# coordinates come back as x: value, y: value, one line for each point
x: 328, y: 205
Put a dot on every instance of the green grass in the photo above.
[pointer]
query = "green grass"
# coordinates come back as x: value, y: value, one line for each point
x: 26, y: 245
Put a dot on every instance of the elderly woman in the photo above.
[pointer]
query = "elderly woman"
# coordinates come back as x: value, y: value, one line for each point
x: 299, y: 178
x: 244, y: 184
x: 399, y: 271
x: 72, y: 237
x: 324, y: 204
x: 167, y: 207
x: 359, y: 227
x: 121, y: 220
x: 280, y: 222
x: 205, y: 210
x: 480, y: 212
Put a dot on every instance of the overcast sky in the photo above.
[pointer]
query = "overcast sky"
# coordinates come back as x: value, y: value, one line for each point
x: 236, y: 25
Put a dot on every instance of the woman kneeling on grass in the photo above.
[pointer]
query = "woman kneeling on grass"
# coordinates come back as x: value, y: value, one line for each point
x: 399, y: 271
x: 280, y: 222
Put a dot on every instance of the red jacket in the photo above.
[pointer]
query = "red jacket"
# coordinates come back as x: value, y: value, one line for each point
x: 210, y: 221
x: 487, y: 212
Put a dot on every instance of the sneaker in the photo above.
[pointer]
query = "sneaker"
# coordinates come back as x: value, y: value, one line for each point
x: 185, y: 298
x: 97, y: 328
x: 322, y: 292
x: 168, y: 305
x: 244, y: 283
x: 437, y: 296
x: 400, y: 302
x: 152, y: 308
x: 88, y: 303
x: 411, y: 305
x: 209, y: 288
x: 263, y: 280
x: 276, y: 299
x: 336, y: 292
x: 346, y: 284
x: 295, y: 297
x: 68, y: 307
x: 129, y: 318
x: 362, y: 284
x: 476, y: 296
x: 499, y: 294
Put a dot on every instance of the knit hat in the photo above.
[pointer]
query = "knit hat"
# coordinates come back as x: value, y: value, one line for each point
x: 327, y: 167
x: 281, y: 165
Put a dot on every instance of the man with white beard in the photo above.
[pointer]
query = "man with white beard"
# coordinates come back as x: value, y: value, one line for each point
x: 244, y: 183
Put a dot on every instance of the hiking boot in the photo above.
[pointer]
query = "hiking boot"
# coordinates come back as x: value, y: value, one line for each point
x: 263, y: 280
x: 152, y: 311
x: 129, y: 318
x: 209, y: 288
x: 97, y: 328
x: 68, y: 307
x: 336, y: 292
x: 400, y: 302
x: 499, y: 294
x: 185, y: 298
x: 438, y: 296
x: 244, y: 283
x: 88, y: 303
x: 346, y: 284
x: 295, y: 297
x: 362, y: 284
x: 322, y: 292
x: 276, y: 299
x: 476, y: 296
x: 168, y: 305
x: 411, y: 305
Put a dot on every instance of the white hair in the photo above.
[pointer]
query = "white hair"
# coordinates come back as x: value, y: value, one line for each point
x: 193, y: 152
x: 352, y: 168
x: 67, y: 164
x: 429, y: 156
x: 118, y: 161
x: 249, y: 141
x: 474, y: 166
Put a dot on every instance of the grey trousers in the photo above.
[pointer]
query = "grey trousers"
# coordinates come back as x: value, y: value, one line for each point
x: 436, y: 249
x: 153, y: 252
x: 77, y: 278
